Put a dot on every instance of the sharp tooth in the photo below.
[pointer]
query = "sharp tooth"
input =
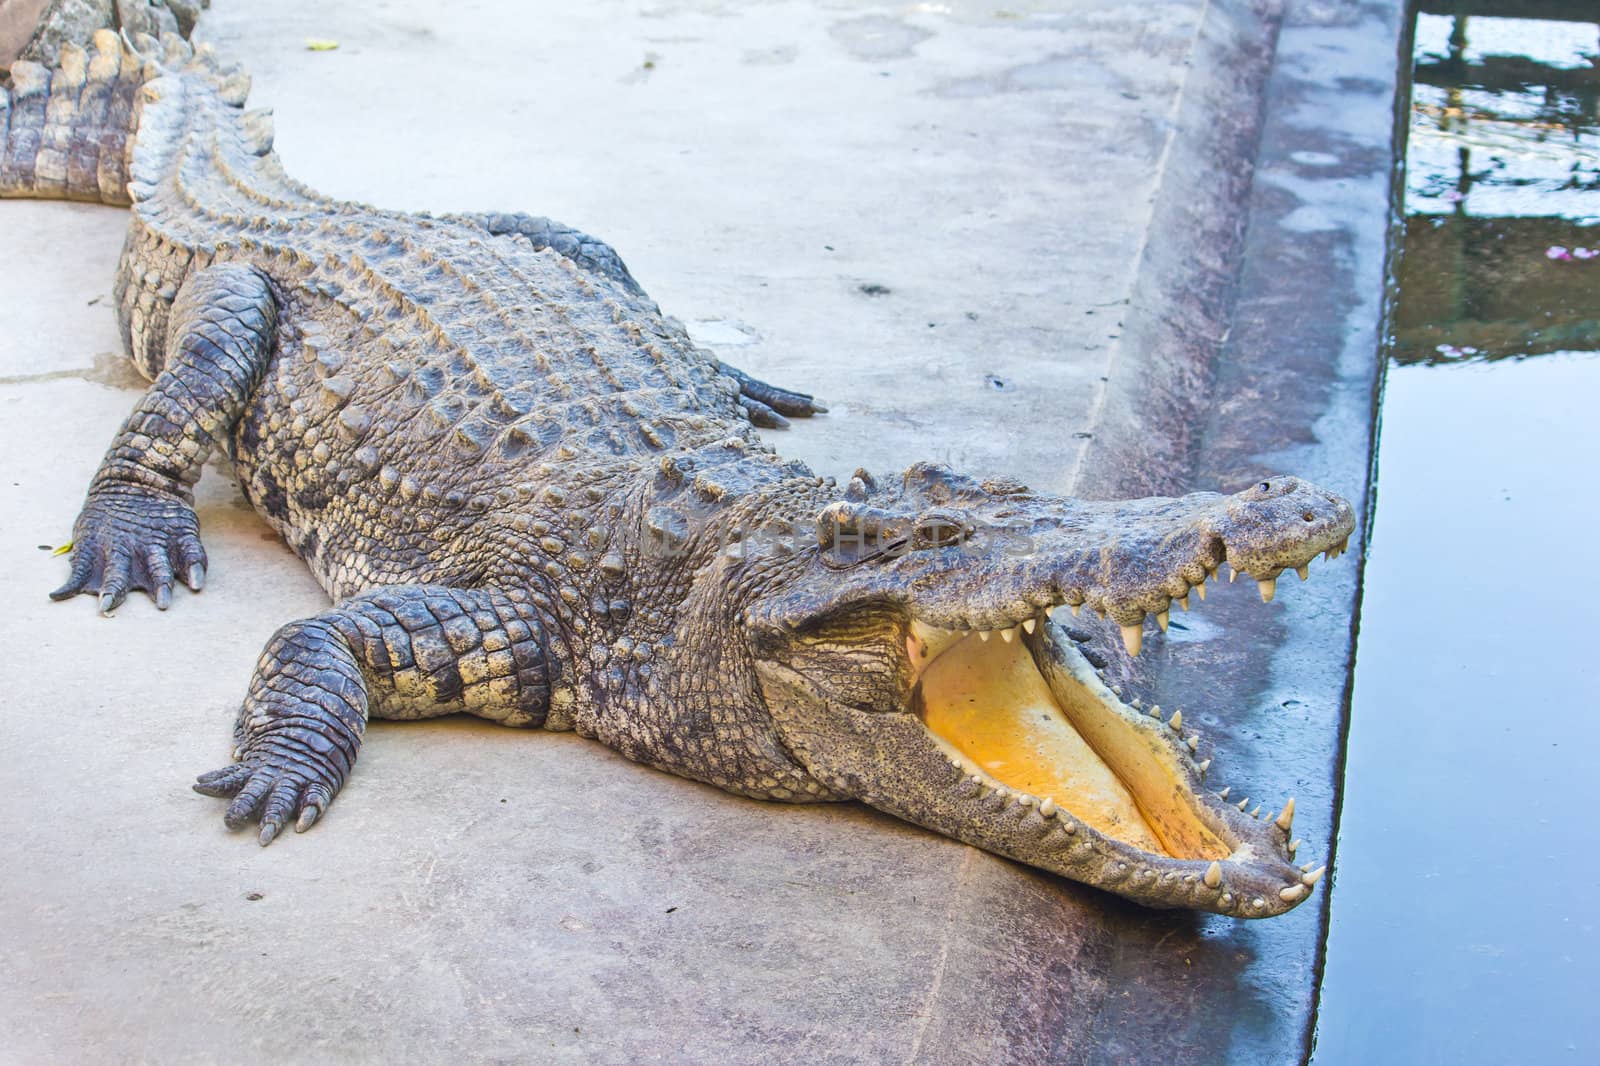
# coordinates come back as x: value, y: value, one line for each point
x: 1176, y: 721
x: 1294, y: 845
x: 1257, y: 812
x: 1204, y: 767
x: 1292, y: 894
x: 1269, y: 589
x: 1313, y: 877
x: 1305, y: 868
x: 1194, y: 743
x: 1133, y: 638
x: 1161, y: 620
x: 1183, y: 601
x: 1030, y: 624
x: 1304, y: 572
x: 1008, y: 635
x: 1224, y: 793
x: 1138, y: 704
x: 1286, y: 819
x: 1233, y: 575
x: 1201, y: 589
x: 1075, y: 607
x: 1155, y: 710
x: 1213, y: 875
x: 1047, y: 806
x: 983, y: 635
x: 1242, y: 803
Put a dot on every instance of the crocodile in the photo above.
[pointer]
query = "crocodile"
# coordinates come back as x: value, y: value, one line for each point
x: 532, y: 498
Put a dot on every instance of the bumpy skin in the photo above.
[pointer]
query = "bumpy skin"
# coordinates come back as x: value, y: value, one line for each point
x: 532, y: 497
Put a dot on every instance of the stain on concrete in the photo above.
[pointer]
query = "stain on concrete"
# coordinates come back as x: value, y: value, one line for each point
x: 640, y: 74
x: 110, y: 368
x: 877, y: 37
x: 716, y: 333
x: 778, y: 56
x: 116, y: 370
x: 1064, y: 71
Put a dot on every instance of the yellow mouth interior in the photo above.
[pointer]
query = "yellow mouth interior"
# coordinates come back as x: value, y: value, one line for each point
x: 988, y: 701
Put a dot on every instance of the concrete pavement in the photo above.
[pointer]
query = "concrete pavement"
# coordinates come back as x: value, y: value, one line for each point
x: 1006, y: 239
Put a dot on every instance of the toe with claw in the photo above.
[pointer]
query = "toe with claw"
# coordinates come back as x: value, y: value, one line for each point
x: 768, y: 405
x: 288, y: 777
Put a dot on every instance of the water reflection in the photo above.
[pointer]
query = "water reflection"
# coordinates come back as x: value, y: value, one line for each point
x: 1501, y: 246
x: 1461, y: 927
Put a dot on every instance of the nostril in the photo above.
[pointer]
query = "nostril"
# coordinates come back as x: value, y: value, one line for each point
x: 1309, y: 517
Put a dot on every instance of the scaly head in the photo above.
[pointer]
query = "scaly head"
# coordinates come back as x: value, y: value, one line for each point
x: 912, y: 663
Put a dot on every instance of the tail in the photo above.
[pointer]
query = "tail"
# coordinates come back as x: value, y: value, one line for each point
x: 70, y: 132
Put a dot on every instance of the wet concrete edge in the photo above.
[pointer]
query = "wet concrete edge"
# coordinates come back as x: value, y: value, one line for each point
x: 1178, y: 314
x: 1295, y: 388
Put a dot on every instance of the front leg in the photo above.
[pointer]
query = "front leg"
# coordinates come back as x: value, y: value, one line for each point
x: 409, y: 651
x: 138, y: 527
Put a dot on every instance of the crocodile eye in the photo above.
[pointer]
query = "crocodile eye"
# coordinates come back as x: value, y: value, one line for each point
x: 1266, y: 486
x: 940, y: 529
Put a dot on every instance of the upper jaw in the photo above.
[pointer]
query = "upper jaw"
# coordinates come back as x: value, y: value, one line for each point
x: 1130, y: 561
x: 1134, y: 559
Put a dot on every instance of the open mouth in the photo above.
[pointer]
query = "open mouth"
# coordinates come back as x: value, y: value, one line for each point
x: 1043, y: 733
x: 1030, y: 721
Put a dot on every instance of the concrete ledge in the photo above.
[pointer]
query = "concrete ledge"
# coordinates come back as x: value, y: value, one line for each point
x: 1152, y: 409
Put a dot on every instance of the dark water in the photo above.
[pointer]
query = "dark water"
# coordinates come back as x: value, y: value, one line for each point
x: 1466, y: 894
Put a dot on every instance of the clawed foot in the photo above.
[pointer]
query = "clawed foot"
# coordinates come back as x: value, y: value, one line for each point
x: 297, y: 736
x: 128, y: 539
x: 277, y: 782
x: 767, y: 404
x: 268, y: 794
